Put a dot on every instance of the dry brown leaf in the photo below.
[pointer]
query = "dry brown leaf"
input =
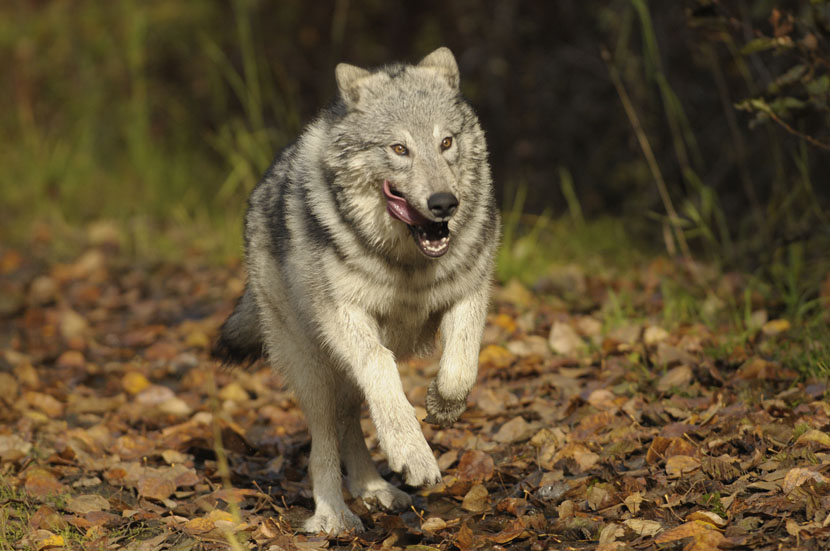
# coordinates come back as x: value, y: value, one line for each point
x: 515, y: 430
x: 156, y: 487
x: 705, y: 536
x: 668, y: 355
x: 72, y: 325
x: 47, y: 518
x: 603, y: 399
x: 654, y: 335
x: 234, y: 392
x: 45, y: 403
x: 514, y: 530
x: 657, y: 449
x: 12, y: 447
x: 798, y: 476
x: 633, y: 501
x: 564, y: 340
x: 199, y: 525
x: 819, y: 439
x: 707, y: 516
x: 475, y: 466
x: 41, y: 483
x: 433, y: 524
x: 71, y: 359
x: 610, y: 533
x: 464, y: 539
x: 133, y: 446
x: 600, y: 496
x: 678, y: 377
x: 477, y: 499
x: 87, y: 503
x: 584, y: 458
x: 678, y: 465
x: 647, y: 528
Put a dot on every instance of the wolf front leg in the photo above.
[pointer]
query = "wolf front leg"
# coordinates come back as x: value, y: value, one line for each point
x: 354, y: 337
x: 461, y: 328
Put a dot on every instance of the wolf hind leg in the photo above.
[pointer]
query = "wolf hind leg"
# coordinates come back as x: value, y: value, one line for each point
x: 315, y: 387
x: 363, y: 480
x: 317, y: 397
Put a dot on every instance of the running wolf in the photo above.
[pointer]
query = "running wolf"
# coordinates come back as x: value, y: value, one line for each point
x: 367, y: 239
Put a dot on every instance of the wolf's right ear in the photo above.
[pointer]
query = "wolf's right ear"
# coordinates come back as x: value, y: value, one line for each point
x: 348, y: 81
x: 444, y: 62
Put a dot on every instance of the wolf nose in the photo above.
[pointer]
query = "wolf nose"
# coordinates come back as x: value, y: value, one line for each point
x: 442, y: 204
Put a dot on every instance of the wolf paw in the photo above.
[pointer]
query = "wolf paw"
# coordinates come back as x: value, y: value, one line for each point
x: 441, y: 411
x: 381, y: 494
x: 333, y: 522
x: 415, y: 462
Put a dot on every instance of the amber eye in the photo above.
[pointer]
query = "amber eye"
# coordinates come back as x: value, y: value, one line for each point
x: 446, y: 143
x: 400, y: 149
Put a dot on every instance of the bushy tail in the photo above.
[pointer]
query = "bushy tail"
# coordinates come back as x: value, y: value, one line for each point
x: 240, y: 338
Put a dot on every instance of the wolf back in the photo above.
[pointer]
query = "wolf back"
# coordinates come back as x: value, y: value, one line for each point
x: 374, y: 230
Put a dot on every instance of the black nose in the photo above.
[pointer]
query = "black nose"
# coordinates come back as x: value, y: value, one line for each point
x: 442, y: 204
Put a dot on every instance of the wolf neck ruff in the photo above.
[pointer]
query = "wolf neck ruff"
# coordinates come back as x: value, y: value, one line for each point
x: 433, y: 238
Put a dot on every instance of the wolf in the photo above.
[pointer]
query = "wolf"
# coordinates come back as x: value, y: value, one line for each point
x: 369, y: 239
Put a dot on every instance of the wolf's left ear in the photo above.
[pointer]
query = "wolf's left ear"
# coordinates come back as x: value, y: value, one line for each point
x: 443, y: 60
x: 348, y: 81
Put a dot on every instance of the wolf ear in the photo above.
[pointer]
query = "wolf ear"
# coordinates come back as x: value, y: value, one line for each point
x: 348, y: 79
x: 443, y: 60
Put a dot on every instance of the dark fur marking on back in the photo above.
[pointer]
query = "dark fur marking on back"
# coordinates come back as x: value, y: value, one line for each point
x: 278, y: 229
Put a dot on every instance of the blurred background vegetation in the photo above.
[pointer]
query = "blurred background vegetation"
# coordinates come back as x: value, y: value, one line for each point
x: 700, y: 128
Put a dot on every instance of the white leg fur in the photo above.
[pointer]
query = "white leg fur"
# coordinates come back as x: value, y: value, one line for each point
x: 363, y: 479
x: 315, y: 384
x: 355, y: 340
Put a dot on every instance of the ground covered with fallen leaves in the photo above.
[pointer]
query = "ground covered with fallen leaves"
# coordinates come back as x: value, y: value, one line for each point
x: 590, y: 426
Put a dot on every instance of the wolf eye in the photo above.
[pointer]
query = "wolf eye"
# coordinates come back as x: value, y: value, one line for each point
x: 400, y: 149
x: 446, y: 143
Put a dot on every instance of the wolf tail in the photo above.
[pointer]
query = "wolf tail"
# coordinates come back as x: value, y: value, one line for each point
x: 240, y: 338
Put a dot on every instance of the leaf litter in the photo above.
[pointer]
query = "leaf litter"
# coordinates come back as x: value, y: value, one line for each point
x: 585, y: 430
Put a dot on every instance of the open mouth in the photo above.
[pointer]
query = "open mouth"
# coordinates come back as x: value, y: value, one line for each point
x: 433, y: 238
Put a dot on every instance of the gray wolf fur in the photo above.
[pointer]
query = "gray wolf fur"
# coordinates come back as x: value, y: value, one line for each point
x: 371, y: 235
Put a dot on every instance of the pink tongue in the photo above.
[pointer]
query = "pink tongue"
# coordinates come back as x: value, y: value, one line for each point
x: 400, y: 209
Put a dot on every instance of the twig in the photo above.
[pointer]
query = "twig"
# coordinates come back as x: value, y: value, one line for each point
x: 809, y: 139
x: 649, y: 155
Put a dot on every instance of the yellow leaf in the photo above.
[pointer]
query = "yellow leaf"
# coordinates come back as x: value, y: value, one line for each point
x: 775, y: 327
x: 505, y: 322
x: 707, y: 516
x: 218, y: 514
x: 134, y: 382
x: 816, y: 437
x: 496, y: 356
x: 55, y: 540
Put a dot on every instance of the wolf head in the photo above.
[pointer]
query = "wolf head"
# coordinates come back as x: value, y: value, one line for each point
x: 405, y: 144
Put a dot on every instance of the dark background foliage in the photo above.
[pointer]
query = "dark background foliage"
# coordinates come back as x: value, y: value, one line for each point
x: 157, y: 108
